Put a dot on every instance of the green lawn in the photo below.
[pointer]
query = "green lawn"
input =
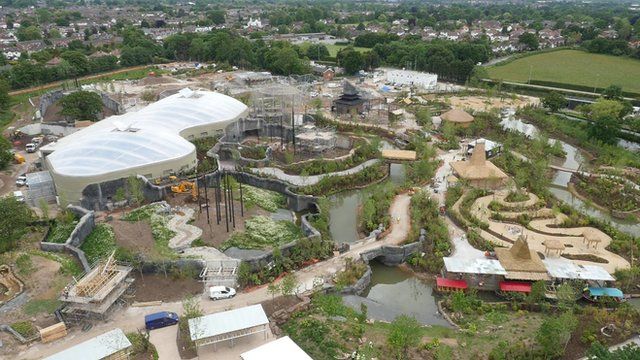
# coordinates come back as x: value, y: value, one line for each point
x: 572, y: 67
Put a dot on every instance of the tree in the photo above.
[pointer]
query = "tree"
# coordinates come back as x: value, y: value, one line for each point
x: 29, y: 33
x: 537, y: 293
x: 216, y: 16
x: 403, y: 334
x: 5, y: 99
x: 554, y: 334
x: 530, y: 40
x: 136, y: 192
x: 273, y: 289
x: 351, y: 60
x: 81, y: 105
x: 606, y: 120
x: 289, y: 285
x: 15, y: 218
x: 554, y: 101
x: 612, y: 92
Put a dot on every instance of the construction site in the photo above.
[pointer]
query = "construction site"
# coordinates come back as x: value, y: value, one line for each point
x: 96, y: 294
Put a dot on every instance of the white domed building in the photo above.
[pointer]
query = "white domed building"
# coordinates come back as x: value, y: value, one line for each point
x: 153, y: 142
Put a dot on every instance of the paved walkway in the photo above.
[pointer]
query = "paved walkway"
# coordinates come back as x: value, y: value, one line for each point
x: 185, y: 232
x: 298, y: 180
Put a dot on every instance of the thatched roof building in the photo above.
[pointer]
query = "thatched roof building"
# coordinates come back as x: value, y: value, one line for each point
x: 458, y: 116
x: 521, y: 263
x: 479, y: 171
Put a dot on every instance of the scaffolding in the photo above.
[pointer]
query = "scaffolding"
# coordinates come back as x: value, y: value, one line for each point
x: 95, y: 294
x: 220, y: 272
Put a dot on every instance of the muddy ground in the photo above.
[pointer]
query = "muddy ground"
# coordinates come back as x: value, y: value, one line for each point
x: 155, y: 287
x: 135, y: 236
x: 214, y: 234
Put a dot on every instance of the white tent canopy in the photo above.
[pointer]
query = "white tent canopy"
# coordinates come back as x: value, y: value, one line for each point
x: 566, y: 269
x: 283, y: 348
x: 228, y: 325
x: 474, y: 266
x: 96, y: 348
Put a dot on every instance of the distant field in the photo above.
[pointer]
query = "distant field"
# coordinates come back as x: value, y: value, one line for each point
x: 573, y: 67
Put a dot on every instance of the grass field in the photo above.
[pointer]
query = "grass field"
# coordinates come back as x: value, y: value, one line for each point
x: 573, y: 67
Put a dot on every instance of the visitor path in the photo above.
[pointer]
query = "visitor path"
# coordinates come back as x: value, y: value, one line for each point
x: 132, y: 318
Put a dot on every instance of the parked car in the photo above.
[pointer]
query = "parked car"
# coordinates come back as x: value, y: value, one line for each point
x: 160, y: 319
x: 221, y: 292
x: 19, y: 196
x: 21, y: 181
x: 31, y: 147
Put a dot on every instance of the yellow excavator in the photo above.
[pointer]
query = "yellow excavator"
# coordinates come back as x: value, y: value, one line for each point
x: 186, y: 187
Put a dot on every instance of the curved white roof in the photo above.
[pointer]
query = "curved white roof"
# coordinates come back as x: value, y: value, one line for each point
x: 148, y: 136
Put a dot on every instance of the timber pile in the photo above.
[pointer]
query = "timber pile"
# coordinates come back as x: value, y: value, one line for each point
x: 53, y: 332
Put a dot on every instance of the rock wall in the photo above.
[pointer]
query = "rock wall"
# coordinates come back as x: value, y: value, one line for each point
x: 100, y: 196
x: 85, y: 226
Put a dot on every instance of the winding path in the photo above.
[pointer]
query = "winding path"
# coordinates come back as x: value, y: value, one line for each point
x: 132, y: 318
x: 298, y: 180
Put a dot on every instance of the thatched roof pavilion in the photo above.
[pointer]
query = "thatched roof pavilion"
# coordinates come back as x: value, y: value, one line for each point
x: 479, y: 171
x: 521, y: 263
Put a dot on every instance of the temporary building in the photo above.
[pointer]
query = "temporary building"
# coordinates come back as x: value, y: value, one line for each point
x: 153, y: 142
x: 228, y: 325
x: 111, y: 345
x: 283, y: 348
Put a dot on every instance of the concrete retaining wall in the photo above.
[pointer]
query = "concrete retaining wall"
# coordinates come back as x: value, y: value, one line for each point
x: 50, y: 98
x: 100, y: 196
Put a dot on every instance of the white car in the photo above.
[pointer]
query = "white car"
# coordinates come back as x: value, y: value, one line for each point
x: 221, y: 292
x: 21, y: 181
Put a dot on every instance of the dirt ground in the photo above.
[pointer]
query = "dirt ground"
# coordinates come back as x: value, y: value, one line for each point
x: 214, y: 234
x: 482, y: 103
x: 154, y: 287
x: 279, y: 303
x: 135, y: 236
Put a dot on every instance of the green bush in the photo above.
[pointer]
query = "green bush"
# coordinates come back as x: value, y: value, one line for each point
x: 100, y: 243
x: 263, y: 233
x: 375, y: 208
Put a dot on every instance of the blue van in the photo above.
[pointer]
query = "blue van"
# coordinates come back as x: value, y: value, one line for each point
x: 160, y: 319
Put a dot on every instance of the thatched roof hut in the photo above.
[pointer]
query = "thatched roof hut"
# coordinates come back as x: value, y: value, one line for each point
x: 593, y: 236
x: 521, y: 263
x: 479, y: 171
x: 457, y: 116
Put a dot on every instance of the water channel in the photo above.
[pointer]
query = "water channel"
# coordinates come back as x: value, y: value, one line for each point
x: 560, y: 180
x: 394, y: 292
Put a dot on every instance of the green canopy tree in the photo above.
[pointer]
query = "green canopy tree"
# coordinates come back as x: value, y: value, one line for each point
x: 404, y: 334
x: 81, y: 105
x: 15, y: 218
x: 554, y: 101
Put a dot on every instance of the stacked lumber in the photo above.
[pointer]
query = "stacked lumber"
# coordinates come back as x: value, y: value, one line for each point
x: 53, y: 332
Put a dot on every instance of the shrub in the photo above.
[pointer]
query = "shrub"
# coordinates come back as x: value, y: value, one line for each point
x: 352, y: 272
x: 262, y: 232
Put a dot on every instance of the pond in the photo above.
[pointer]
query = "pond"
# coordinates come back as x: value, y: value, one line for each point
x: 343, y: 213
x: 394, y: 292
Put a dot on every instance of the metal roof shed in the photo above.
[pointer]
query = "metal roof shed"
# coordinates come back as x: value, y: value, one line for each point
x: 276, y: 350
x: 228, y: 325
x: 113, y: 345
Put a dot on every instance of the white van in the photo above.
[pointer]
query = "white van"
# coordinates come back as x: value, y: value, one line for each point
x: 31, y: 147
x: 221, y: 292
